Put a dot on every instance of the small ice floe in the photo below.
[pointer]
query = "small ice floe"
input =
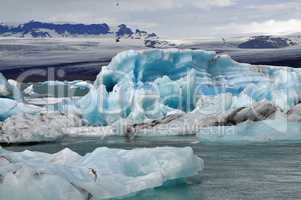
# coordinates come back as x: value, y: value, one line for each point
x: 57, y: 89
x: 9, y: 89
x: 41, y: 127
x: 262, y: 131
x: 103, y: 174
x: 10, y: 107
x: 262, y: 122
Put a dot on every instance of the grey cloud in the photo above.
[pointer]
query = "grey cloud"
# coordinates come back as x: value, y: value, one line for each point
x: 175, y: 18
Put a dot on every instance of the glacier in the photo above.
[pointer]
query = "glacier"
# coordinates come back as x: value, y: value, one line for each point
x: 102, y: 174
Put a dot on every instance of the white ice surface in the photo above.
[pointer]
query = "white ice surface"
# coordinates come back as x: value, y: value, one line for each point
x: 9, y: 107
x: 263, y: 131
x: 105, y: 173
x: 45, y: 126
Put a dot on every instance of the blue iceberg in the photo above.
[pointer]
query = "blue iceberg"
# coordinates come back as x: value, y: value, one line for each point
x: 103, y: 174
x: 155, y: 92
x: 57, y: 89
x: 145, y: 85
x: 9, y: 89
x: 10, y: 107
x: 263, y: 131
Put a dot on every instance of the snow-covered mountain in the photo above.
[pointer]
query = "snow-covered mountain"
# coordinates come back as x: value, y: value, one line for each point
x: 36, y: 29
x: 268, y: 42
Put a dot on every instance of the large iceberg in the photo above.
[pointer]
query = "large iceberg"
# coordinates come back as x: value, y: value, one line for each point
x: 169, y: 92
x: 148, y: 85
x: 103, y: 174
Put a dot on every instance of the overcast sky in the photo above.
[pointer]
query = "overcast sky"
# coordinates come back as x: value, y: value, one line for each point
x: 173, y: 18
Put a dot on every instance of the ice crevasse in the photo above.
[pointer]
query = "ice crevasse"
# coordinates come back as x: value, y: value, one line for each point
x: 102, y: 174
x: 146, y: 85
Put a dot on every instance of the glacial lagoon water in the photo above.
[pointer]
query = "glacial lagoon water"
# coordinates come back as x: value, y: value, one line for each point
x: 232, y: 171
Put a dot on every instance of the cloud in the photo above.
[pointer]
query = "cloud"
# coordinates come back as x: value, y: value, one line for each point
x: 173, y: 4
x: 147, y: 5
x: 180, y: 18
x: 273, y: 27
x: 213, y: 3
x: 81, y: 18
x: 276, y: 7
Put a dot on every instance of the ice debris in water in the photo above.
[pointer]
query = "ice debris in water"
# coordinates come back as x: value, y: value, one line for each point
x: 262, y: 131
x: 58, y: 89
x: 103, y: 174
x: 146, y: 85
x: 262, y: 122
x: 9, y: 89
x: 10, y: 107
x: 11, y: 99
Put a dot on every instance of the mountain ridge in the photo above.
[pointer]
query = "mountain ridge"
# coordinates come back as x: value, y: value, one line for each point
x: 37, y: 29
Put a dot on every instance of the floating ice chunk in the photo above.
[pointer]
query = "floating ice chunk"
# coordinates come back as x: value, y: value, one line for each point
x: 48, y: 101
x: 103, y: 174
x: 262, y: 131
x: 294, y: 114
x: 9, y: 107
x: 16, y: 92
x: 29, y: 91
x: 92, y: 106
x: 214, y: 104
x: 141, y: 86
x: 191, y: 123
x: 89, y: 131
x: 37, y: 128
x: 30, y: 184
x: 257, y: 112
x: 4, y: 87
x: 9, y: 89
x: 58, y: 89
